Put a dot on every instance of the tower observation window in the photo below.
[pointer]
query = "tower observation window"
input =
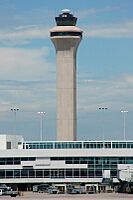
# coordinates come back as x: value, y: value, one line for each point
x: 66, y: 19
x: 66, y: 34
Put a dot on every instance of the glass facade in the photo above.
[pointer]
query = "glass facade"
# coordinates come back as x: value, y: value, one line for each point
x: 53, y: 173
x: 79, y: 145
x: 94, y: 168
x: 15, y: 160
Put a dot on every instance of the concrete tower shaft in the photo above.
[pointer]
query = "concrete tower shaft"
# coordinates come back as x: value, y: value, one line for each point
x: 66, y: 40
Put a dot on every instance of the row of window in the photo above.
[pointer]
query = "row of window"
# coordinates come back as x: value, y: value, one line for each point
x: 15, y: 161
x: 54, y: 173
x: 96, y: 160
x: 91, y: 161
x: 68, y: 33
x: 77, y: 145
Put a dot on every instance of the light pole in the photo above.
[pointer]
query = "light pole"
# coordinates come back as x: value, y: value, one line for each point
x: 14, y: 110
x: 103, y: 109
x: 41, y: 113
x: 124, y: 112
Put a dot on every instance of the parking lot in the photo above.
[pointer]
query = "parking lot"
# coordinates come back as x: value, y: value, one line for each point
x: 102, y: 196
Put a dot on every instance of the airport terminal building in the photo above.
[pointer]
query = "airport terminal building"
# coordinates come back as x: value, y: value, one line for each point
x: 25, y: 163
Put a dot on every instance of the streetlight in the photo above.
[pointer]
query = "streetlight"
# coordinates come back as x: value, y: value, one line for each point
x: 103, y: 109
x: 124, y: 112
x: 41, y: 124
x: 14, y: 110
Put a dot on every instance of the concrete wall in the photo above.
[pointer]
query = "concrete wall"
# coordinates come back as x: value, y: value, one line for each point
x: 15, y: 141
x: 2, y: 141
x: 66, y: 48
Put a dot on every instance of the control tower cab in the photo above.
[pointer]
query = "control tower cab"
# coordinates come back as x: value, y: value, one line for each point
x: 66, y: 25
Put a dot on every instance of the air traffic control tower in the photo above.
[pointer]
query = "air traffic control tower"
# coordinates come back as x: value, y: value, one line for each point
x: 66, y: 38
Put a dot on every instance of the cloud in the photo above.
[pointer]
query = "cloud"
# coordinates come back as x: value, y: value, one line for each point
x: 24, y: 34
x: 27, y: 79
x: 12, y: 14
x: 113, y: 93
x: 27, y: 95
x: 20, y: 26
x: 129, y: 80
x: 121, y: 30
x: 93, y: 11
x: 25, y: 64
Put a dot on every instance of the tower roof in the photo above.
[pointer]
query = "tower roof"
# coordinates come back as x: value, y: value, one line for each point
x: 66, y: 18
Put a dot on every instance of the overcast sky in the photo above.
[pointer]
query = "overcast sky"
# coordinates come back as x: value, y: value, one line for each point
x: 104, y: 67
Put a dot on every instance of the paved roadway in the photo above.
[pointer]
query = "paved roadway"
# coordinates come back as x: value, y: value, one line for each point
x: 102, y: 196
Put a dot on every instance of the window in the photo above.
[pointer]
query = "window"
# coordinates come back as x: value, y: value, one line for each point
x: 54, y: 173
x: 83, y: 160
x: 98, y: 166
x: 105, y: 160
x: 90, y: 173
x: 121, y: 161
x: 46, y: 173
x: 128, y: 145
x: 113, y: 161
x: 2, y: 161
x: 16, y: 161
x: 2, y: 174
x: 76, y: 173
x: 98, y: 160
x: 24, y: 173
x: 9, y: 161
x: 113, y: 173
x: 83, y: 173
x: 8, y: 145
x: 68, y: 173
x: 91, y: 160
x: 16, y: 173
x: 107, y: 145
x: 31, y: 158
x: 115, y: 145
x: 99, y: 145
x: 61, y: 173
x: 76, y: 160
x: 66, y: 34
x: 106, y: 166
x: 69, y: 160
x: 9, y: 174
x: 32, y: 173
x: 39, y: 174
x: 98, y: 173
x: 41, y: 146
x: 129, y: 160
x: 85, y: 145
